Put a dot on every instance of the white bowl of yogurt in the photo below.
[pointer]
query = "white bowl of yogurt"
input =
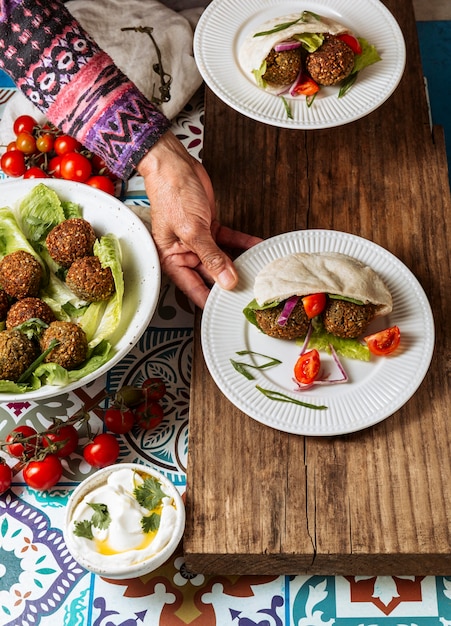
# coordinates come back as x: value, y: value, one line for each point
x: 124, y: 521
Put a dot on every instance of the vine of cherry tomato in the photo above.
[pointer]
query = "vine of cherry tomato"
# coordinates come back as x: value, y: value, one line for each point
x: 42, y: 151
x: 40, y: 453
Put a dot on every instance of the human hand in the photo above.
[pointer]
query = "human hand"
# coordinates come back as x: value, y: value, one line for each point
x: 184, y: 227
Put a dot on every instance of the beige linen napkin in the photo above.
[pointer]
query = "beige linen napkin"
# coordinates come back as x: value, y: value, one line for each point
x: 133, y: 52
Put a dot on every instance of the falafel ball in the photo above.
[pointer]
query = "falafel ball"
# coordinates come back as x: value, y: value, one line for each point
x: 17, y: 353
x: 347, y: 319
x: 72, y: 348
x: 70, y: 240
x: 283, y: 67
x: 29, y: 308
x: 331, y: 63
x: 4, y: 304
x: 20, y: 274
x: 89, y: 280
x: 296, y: 326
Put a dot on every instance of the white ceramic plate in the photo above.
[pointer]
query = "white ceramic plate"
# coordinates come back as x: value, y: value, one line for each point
x: 141, y: 266
x: 375, y: 390
x: 225, y: 24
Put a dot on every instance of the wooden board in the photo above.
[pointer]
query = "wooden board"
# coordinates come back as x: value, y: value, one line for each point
x: 260, y: 501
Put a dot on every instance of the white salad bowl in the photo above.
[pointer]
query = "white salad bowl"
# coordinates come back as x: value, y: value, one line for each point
x: 140, y: 265
x: 125, y: 562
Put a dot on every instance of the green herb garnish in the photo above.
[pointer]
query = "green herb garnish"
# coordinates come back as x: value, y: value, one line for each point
x: 287, y: 106
x: 280, y: 27
x: 149, y: 494
x: 150, y: 523
x: 241, y: 367
x: 281, y: 397
x: 100, y: 519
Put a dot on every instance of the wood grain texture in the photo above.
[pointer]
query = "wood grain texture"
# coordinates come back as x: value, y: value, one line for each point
x: 260, y: 501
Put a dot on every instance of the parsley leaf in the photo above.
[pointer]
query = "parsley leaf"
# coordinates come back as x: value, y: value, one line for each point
x: 101, y: 517
x: 150, y: 523
x: 149, y: 494
x: 83, y: 529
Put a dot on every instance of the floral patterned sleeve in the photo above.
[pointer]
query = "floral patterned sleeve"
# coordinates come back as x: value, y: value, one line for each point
x: 67, y: 76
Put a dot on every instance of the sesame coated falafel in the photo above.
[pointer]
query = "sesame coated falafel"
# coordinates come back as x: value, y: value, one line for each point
x: 331, y: 63
x: 70, y: 240
x: 26, y: 309
x: 20, y: 274
x: 72, y: 348
x: 347, y: 319
x: 17, y: 353
x: 282, y: 67
x: 89, y: 280
x: 296, y: 325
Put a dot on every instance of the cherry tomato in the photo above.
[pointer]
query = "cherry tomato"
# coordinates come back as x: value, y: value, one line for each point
x: 43, y: 474
x: 13, y: 163
x: 102, y: 451
x: 149, y: 415
x: 154, y: 388
x: 64, y: 144
x: 384, y: 342
x: 100, y: 167
x: 44, y: 143
x: 24, y: 123
x: 26, y: 143
x: 35, y: 172
x: 307, y: 367
x: 75, y: 166
x: 15, y: 447
x: 351, y: 41
x: 66, y: 439
x: 6, y: 476
x: 314, y: 304
x: 306, y: 87
x: 119, y: 421
x: 54, y: 166
x: 102, y: 182
x: 11, y: 146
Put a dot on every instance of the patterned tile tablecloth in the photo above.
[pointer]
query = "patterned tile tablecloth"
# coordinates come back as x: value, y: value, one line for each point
x: 41, y: 585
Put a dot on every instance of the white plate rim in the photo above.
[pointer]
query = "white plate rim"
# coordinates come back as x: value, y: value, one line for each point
x: 216, y: 58
x: 376, y: 390
x: 120, y: 220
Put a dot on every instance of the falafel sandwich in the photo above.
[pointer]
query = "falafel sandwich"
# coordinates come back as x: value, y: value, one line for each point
x: 288, y: 53
x: 354, y: 295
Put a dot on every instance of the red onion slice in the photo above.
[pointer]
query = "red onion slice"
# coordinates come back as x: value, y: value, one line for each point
x: 290, y: 44
x: 287, y: 309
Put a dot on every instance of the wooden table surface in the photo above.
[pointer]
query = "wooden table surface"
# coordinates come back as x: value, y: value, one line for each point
x: 261, y: 501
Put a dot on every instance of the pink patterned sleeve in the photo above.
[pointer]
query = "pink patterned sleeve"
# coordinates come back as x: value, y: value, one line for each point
x: 59, y: 67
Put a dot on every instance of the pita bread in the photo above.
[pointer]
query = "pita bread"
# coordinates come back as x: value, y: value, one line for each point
x: 303, y: 273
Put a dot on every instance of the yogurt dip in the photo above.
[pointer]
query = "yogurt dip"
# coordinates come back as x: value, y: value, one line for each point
x: 123, y: 520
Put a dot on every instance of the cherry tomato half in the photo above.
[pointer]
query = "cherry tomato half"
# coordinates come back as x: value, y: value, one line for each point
x: 24, y: 123
x: 314, y: 304
x: 102, y: 451
x: 64, y: 144
x: 149, y: 415
x: 102, y: 182
x: 15, y: 447
x: 154, y: 388
x: 306, y: 87
x: 65, y: 438
x: 351, y: 41
x: 75, y: 166
x: 384, y: 342
x: 6, y: 476
x: 307, y: 367
x: 13, y: 163
x: 43, y: 474
x: 119, y: 421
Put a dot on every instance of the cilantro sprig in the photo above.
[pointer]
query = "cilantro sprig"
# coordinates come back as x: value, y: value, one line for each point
x: 100, y: 519
x: 150, y: 495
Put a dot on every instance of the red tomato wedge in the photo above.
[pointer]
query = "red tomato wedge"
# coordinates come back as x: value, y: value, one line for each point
x: 352, y: 42
x: 305, y: 87
x: 384, y: 342
x: 307, y: 367
x: 314, y: 304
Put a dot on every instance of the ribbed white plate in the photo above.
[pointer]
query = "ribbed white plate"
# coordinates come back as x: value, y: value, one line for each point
x: 225, y: 24
x: 375, y: 389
